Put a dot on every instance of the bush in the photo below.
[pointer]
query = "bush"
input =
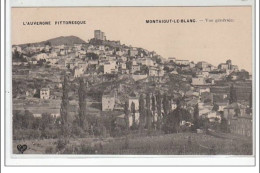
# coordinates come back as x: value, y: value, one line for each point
x: 68, y: 150
x: 61, y: 144
x: 78, y: 131
x: 86, y: 149
x: 19, y: 134
x: 50, y: 133
x: 49, y: 150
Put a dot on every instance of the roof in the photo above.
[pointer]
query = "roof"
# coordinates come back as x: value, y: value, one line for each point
x: 108, y: 95
x: 46, y: 89
x: 192, y: 102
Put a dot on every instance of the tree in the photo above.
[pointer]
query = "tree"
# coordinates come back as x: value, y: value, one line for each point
x: 224, y: 124
x: 133, y: 113
x: 215, y: 107
x: 27, y: 119
x: 148, y: 113
x: 153, y: 109
x: 173, y: 119
x: 64, y: 111
x: 47, y: 121
x: 46, y: 124
x: 159, y: 109
x: 165, y: 104
x: 237, y: 112
x: 144, y: 69
x: 196, y: 116
x: 233, y: 95
x: 250, y: 100
x: 158, y: 60
x: 126, y: 115
x: 141, y: 112
x: 82, y: 105
x: 18, y: 57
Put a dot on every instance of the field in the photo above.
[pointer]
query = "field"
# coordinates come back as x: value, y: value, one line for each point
x: 170, y: 144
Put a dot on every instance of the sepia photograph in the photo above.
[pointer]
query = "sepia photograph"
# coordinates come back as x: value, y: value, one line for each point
x: 132, y: 81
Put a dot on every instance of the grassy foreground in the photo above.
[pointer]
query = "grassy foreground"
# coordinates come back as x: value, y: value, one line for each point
x: 170, y: 144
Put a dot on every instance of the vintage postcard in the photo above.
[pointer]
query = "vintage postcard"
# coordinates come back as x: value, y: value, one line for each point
x: 141, y: 81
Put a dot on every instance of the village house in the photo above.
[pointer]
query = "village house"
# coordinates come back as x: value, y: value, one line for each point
x: 78, y: 72
x: 41, y: 56
x: 223, y: 66
x: 33, y: 61
x: 122, y: 68
x: 198, y: 81
x: 53, y: 55
x: 203, y: 89
x: 53, y: 61
x: 123, y: 58
x: 214, y: 116
x: 226, y: 66
x: 133, y: 52
x: 110, y: 67
x: 93, y: 61
x: 202, y: 65
x: 135, y: 68
x: 185, y: 67
x: 119, y: 53
x: 217, y: 75
x: 70, y: 63
x: 222, y: 105
x: 45, y: 93
x: 153, y: 71
x: 81, y: 54
x: 192, y: 65
x: 204, y: 74
x: 77, y: 47
x: 83, y: 65
x: 147, y: 61
x: 108, y: 102
x: 182, y: 62
x: 171, y: 59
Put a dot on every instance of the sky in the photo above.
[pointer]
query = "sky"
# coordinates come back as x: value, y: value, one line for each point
x: 201, y: 41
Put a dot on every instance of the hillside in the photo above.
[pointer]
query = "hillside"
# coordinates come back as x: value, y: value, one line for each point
x: 66, y: 40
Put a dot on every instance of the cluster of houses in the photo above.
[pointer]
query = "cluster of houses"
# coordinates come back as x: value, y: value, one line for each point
x: 208, y: 86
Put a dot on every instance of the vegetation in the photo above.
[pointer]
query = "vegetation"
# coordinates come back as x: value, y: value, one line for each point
x: 233, y: 95
x: 64, y: 112
x: 18, y: 57
x: 82, y: 120
x: 160, y: 129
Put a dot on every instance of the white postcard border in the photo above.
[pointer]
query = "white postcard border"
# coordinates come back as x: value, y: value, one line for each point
x: 54, y: 160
